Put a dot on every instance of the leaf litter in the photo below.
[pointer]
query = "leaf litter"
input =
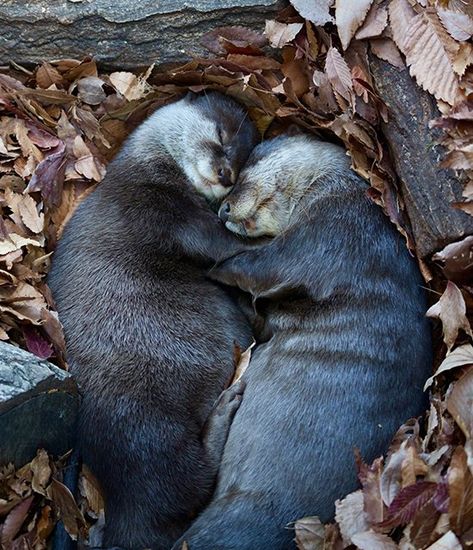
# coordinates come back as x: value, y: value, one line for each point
x: 60, y: 125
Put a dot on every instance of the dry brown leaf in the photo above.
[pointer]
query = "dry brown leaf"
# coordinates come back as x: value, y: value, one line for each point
x: 310, y: 534
x: 349, y: 15
x: 280, y: 34
x: 87, y: 164
x: 456, y: 260
x: 459, y: 357
x: 386, y: 49
x: 13, y: 522
x: 339, y: 74
x: 89, y: 489
x: 459, y: 25
x: 412, y: 467
x: 430, y: 51
x: 375, y: 22
x: 47, y: 75
x: 130, y: 85
x: 460, y: 403
x: 91, y: 90
x: 369, y: 540
x: 400, y: 17
x: 70, y: 514
x: 316, y: 11
x: 460, y: 491
x: 33, y: 220
x: 41, y: 472
x: 451, y: 310
x: 350, y: 516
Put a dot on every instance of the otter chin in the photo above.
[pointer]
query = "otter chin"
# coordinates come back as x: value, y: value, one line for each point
x: 343, y: 351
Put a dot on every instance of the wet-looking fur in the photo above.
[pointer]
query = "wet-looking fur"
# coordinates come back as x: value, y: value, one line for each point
x: 149, y: 337
x: 347, y: 347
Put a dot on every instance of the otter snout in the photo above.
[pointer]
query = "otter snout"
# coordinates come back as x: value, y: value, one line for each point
x: 224, y: 211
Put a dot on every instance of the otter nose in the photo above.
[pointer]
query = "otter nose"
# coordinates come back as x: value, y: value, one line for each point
x: 225, y: 177
x: 224, y: 212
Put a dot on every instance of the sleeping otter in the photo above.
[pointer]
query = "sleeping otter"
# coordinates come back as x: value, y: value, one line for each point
x: 347, y: 346
x: 150, y: 339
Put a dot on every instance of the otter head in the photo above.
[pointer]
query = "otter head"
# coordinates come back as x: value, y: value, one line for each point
x: 209, y: 137
x: 279, y: 174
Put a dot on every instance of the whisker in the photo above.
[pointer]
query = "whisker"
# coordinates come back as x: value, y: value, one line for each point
x: 245, y: 114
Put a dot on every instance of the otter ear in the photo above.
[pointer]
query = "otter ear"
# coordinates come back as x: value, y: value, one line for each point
x: 294, y: 130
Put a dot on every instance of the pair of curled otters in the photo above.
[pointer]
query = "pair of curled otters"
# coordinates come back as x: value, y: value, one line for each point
x: 200, y: 238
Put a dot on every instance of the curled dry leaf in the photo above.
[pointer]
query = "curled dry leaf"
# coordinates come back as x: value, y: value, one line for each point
x: 375, y: 22
x: 280, y: 34
x: 14, y: 521
x: 70, y: 514
x: 457, y: 260
x: 350, y: 516
x: 349, y: 15
x: 400, y: 17
x: 460, y: 403
x: 310, y: 534
x: 386, y: 49
x: 460, y: 491
x: 41, y: 470
x: 131, y: 86
x: 451, y: 310
x: 459, y: 357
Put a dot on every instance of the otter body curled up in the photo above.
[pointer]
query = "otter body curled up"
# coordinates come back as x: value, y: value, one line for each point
x: 348, y: 347
x: 149, y: 337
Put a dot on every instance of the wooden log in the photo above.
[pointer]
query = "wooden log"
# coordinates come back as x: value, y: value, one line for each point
x: 38, y: 406
x: 119, y: 33
x: 427, y: 189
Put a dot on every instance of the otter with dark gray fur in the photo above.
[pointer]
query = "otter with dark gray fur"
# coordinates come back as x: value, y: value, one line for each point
x: 149, y: 338
x: 347, y: 346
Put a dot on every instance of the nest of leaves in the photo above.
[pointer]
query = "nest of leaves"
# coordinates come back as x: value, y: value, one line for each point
x: 62, y: 121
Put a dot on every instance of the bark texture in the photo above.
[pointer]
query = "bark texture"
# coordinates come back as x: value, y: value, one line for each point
x: 38, y: 406
x: 428, y: 190
x: 119, y: 33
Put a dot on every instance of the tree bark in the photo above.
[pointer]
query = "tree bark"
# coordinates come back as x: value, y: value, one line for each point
x: 427, y: 189
x: 38, y: 406
x: 120, y: 34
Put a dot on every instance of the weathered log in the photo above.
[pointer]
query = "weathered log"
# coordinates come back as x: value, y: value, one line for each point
x: 427, y: 189
x: 38, y: 406
x: 119, y: 33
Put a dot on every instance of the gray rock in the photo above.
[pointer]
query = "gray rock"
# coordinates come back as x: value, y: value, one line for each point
x: 38, y: 406
x: 120, y: 33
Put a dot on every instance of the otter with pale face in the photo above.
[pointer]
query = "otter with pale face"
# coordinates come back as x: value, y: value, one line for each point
x: 149, y: 337
x: 345, y: 352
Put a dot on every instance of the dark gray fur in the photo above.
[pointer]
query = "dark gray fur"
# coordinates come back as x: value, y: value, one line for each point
x: 149, y: 338
x: 348, y: 350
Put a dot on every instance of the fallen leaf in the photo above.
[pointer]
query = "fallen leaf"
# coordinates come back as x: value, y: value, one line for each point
x: 310, y: 534
x: 447, y: 542
x: 316, y: 11
x: 375, y: 22
x: 350, y: 516
x: 460, y: 403
x: 91, y: 90
x: 41, y: 472
x: 408, y: 502
x: 451, y: 310
x: 386, y: 49
x: 401, y: 14
x: 459, y: 357
x: 13, y: 522
x: 29, y: 214
x: 457, y: 260
x: 349, y: 15
x: 369, y: 540
x: 70, y: 514
x: 280, y: 34
x: 459, y: 25
x: 460, y: 491
x: 339, y: 74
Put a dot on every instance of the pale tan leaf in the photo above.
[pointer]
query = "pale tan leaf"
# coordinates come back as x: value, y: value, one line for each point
x: 448, y: 541
x: 130, y: 85
x: 400, y: 16
x: 349, y: 15
x: 460, y: 403
x: 374, y: 24
x: 41, y: 472
x: 15, y: 242
x: 29, y: 214
x: 369, y: 540
x: 459, y: 357
x: 430, y: 51
x: 463, y: 58
x: 386, y: 49
x: 316, y: 11
x: 350, y: 516
x: 310, y: 534
x: 86, y: 164
x: 47, y: 75
x: 459, y: 25
x: 339, y: 74
x: 451, y: 310
x: 280, y: 34
x: 243, y: 363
